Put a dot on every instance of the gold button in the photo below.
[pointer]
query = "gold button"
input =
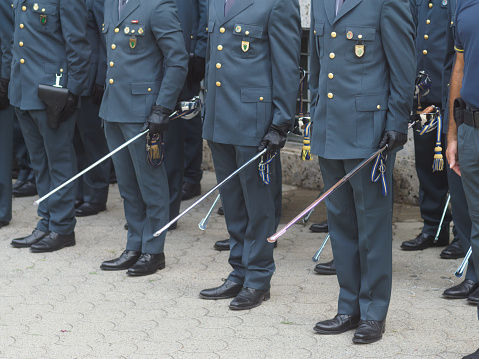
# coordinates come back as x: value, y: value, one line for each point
x: 261, y: 98
x: 191, y: 36
x: 112, y: 64
x: 111, y: 81
x: 378, y: 107
x: 117, y: 30
x: 43, y: 10
x: 61, y: 70
x: 330, y: 95
x: 332, y: 55
x: 314, y: 31
x: 222, y: 29
x: 206, y: 29
x: 218, y: 65
x: 220, y: 47
x: 24, y: 8
x: 430, y: 5
x: 218, y: 83
x: 426, y: 37
x: 330, y: 75
x: 246, y: 32
x: 113, y: 46
x: 333, y: 34
x: 22, y: 26
x: 360, y: 36
x: 21, y: 43
x: 424, y: 52
x: 149, y: 89
x: 428, y: 21
x: 452, y: 23
x: 22, y: 61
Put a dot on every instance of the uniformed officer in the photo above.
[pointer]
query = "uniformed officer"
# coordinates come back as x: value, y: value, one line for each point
x: 431, y: 21
x: 362, y: 76
x: 251, y: 87
x: 193, y: 20
x: 468, y: 289
x: 147, y: 65
x: 50, y: 48
x: 90, y: 142
x: 6, y: 115
x: 463, y: 134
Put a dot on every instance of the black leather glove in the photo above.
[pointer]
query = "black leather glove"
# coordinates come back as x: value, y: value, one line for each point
x: 97, y: 94
x: 4, y: 101
x: 393, y: 139
x: 196, y: 70
x: 70, y: 107
x: 158, y: 120
x: 274, y: 139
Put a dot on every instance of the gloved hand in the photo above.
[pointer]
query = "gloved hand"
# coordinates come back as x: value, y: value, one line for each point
x: 274, y: 139
x: 97, y: 94
x: 70, y: 107
x: 393, y: 139
x: 196, y: 70
x: 4, y: 101
x: 158, y: 120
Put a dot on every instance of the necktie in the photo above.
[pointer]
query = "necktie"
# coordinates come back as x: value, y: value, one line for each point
x: 228, y: 5
x: 339, y: 3
x: 121, y: 5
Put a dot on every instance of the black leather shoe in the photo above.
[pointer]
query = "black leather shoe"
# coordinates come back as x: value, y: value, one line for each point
x: 474, y: 355
x: 453, y: 251
x: 249, y: 298
x: 228, y: 289
x: 319, y: 227
x: 369, y: 331
x: 24, y: 242
x: 18, y: 184
x: 27, y: 190
x: 221, y: 212
x: 462, y: 290
x: 125, y: 261
x: 339, y: 324
x: 474, y: 297
x: 147, y: 264
x: 89, y: 209
x: 222, y: 245
x: 423, y: 241
x: 326, y: 268
x: 78, y: 203
x: 53, y: 242
x: 3, y: 224
x: 125, y: 226
x: 190, y: 190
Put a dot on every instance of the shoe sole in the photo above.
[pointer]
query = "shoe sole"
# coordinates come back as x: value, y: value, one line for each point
x: 214, y: 298
x: 221, y: 248
x: 454, y: 297
x: 366, y: 341
x: 472, y: 302
x: 69, y: 244
x: 451, y: 257
x: 88, y: 214
x: 325, y: 273
x: 265, y: 298
x: 139, y: 274
x: 320, y: 231
x: 322, y: 331
x: 115, y: 268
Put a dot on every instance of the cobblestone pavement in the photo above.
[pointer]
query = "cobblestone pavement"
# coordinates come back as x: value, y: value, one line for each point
x: 61, y: 305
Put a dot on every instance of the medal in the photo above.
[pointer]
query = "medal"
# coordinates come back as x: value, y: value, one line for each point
x: 359, y: 50
x: 349, y: 35
x: 245, y: 46
x: 132, y: 42
x: 127, y: 30
x: 43, y: 19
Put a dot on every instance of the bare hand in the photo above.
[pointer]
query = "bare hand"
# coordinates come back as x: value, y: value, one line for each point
x: 452, y: 157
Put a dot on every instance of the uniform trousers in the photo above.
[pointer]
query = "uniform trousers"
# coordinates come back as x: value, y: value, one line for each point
x: 360, y: 224
x: 249, y: 214
x: 143, y: 187
x: 6, y: 153
x: 53, y: 161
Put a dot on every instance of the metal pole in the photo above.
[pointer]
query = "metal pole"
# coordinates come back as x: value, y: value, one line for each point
x: 204, y: 221
x: 442, y: 218
x: 460, y: 269
x: 320, y: 250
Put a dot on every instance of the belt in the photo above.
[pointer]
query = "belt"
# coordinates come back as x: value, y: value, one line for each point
x: 471, y: 117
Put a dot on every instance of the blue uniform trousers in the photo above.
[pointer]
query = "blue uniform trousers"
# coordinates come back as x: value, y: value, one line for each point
x: 92, y: 147
x: 249, y: 213
x: 53, y: 161
x: 143, y: 187
x: 468, y: 151
x: 6, y: 143
x: 360, y: 223
x: 21, y: 154
x: 193, y: 150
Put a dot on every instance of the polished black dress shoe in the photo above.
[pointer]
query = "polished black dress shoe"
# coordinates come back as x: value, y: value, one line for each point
x: 319, y: 227
x: 27, y: 190
x: 462, y: 290
x: 147, y: 264
x: 190, y: 190
x: 423, y: 241
x: 249, y: 298
x: 224, y: 245
x: 89, y: 209
x: 474, y: 355
x: 18, y: 184
x: 474, y: 297
x: 369, y: 331
x: 3, y: 224
x: 221, y: 212
x: 24, y: 242
x: 453, y: 251
x: 327, y: 268
x: 125, y: 261
x: 339, y: 324
x: 53, y: 242
x: 228, y: 289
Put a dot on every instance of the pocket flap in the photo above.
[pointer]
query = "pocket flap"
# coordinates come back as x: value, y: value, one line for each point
x: 365, y: 33
x: 145, y: 88
x: 211, y: 26
x: 371, y: 103
x: 257, y: 94
x: 255, y: 31
x: 318, y: 28
x: 45, y: 9
x: 134, y: 29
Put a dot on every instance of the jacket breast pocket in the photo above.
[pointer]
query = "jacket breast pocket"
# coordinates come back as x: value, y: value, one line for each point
x: 370, y: 119
x: 45, y: 17
x: 246, y: 40
x: 256, y: 106
x: 134, y: 38
x: 143, y: 97
x: 361, y: 44
x: 318, y: 33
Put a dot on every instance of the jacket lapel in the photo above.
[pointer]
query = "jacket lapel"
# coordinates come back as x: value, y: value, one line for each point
x: 330, y: 7
x: 238, y: 6
x: 347, y: 7
x: 130, y: 6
